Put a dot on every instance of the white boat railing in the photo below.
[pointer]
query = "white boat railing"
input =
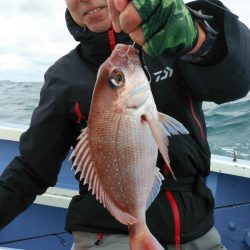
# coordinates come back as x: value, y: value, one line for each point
x: 60, y: 197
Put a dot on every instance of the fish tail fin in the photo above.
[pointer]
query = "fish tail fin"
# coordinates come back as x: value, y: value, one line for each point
x: 144, y: 240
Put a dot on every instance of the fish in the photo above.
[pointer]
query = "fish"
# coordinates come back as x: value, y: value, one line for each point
x: 117, y: 152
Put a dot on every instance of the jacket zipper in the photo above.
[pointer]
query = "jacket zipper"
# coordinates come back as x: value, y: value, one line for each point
x: 112, y: 42
x: 195, y: 117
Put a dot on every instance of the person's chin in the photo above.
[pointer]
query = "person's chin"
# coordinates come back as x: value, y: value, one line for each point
x: 99, y: 28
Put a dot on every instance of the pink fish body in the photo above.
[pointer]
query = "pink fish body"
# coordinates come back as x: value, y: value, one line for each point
x: 117, y: 151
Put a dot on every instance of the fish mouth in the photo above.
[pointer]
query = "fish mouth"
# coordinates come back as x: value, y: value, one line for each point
x: 127, y: 52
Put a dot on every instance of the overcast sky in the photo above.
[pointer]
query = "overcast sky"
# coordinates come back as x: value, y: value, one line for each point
x: 33, y: 35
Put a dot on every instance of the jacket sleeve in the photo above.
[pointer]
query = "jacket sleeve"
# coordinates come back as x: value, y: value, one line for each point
x: 43, y: 147
x: 226, y: 76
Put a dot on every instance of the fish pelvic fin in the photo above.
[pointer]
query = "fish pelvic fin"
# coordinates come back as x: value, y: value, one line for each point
x: 162, y: 128
x: 158, y: 178
x: 83, y: 163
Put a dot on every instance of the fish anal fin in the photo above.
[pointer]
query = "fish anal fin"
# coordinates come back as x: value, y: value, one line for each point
x: 96, y: 186
x: 122, y: 216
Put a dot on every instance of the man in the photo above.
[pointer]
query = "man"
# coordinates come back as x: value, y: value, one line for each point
x: 198, y: 45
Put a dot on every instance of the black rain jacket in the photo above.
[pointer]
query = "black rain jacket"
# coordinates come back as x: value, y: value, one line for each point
x: 179, y: 88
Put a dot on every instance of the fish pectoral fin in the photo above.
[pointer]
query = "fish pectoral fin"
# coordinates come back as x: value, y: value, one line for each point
x: 158, y: 178
x: 162, y: 128
x: 83, y: 162
x: 171, y: 125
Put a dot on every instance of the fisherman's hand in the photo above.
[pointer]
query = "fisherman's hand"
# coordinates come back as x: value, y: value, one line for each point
x: 160, y: 26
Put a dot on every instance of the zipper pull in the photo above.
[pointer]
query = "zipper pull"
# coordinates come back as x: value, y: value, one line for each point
x: 99, y: 238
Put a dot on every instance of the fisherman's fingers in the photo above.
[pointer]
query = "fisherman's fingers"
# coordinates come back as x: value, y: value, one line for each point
x: 124, y: 16
x: 138, y: 36
x: 114, y: 15
x: 121, y: 4
x: 130, y: 19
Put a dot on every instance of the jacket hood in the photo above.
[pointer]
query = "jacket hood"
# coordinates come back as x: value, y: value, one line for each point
x: 95, y: 47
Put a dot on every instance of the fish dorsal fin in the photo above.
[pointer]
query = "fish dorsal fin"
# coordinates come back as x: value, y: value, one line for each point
x: 83, y: 163
x: 158, y: 178
x: 161, y: 129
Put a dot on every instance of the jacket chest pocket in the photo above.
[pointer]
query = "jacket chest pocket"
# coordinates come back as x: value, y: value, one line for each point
x: 79, y: 112
x: 79, y: 100
x: 81, y: 116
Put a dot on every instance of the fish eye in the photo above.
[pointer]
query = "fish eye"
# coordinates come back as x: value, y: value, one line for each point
x: 117, y: 78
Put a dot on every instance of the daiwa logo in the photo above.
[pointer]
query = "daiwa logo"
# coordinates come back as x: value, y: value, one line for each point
x: 163, y: 74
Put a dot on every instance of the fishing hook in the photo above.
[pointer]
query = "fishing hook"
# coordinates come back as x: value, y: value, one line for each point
x: 133, y: 45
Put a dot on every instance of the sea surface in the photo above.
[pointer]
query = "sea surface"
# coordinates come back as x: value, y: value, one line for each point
x: 228, y: 125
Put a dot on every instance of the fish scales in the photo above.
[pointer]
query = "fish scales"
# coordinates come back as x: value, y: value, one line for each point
x: 138, y: 158
x: 124, y: 152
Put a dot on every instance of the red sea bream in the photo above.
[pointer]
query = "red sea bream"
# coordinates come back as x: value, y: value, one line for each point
x: 117, y: 151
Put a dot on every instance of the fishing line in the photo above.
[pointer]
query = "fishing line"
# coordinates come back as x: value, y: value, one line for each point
x: 61, y: 239
x: 148, y: 75
x: 146, y: 67
x: 133, y: 45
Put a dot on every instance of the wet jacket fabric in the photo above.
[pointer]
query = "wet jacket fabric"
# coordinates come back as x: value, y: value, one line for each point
x: 179, y: 88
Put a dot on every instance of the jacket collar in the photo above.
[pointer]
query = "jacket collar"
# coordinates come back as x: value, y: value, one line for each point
x: 94, y: 47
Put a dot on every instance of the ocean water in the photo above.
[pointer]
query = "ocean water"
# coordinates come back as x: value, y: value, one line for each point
x: 228, y: 125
